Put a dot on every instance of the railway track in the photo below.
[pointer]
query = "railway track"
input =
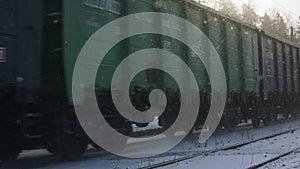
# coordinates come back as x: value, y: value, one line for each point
x: 234, y: 146
x: 95, y: 156
x: 273, y: 159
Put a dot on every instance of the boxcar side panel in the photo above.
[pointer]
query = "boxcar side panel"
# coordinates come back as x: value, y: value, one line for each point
x: 7, y: 59
x: 80, y: 25
x: 269, y: 78
x: 235, y: 70
x: 29, y: 48
x: 148, y: 77
x: 172, y: 45
x: 255, y: 61
x: 196, y: 16
x: 217, y: 35
x: 295, y: 70
x: 288, y: 65
x: 52, y: 60
x: 281, y: 68
x: 250, y: 57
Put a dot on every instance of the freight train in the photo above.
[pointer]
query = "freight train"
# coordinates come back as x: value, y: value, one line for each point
x: 40, y: 41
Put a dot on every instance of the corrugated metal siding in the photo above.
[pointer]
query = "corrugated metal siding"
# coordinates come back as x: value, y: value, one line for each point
x: 296, y: 70
x: 90, y: 16
x: 176, y: 8
x: 143, y: 42
x: 288, y: 66
x: 256, y: 62
x: 249, y: 46
x: 235, y: 70
x: 52, y: 60
x: 268, y: 66
x: 8, y: 33
x: 216, y: 34
x: 21, y: 45
x: 281, y: 68
x: 196, y: 17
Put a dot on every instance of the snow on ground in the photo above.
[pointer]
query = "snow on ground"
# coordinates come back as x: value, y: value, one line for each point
x: 230, y: 159
x: 291, y: 161
x: 247, y: 155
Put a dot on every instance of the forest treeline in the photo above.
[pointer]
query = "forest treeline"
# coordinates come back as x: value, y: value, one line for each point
x: 272, y: 22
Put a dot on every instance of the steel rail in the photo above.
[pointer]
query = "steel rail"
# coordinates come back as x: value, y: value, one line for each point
x: 234, y: 146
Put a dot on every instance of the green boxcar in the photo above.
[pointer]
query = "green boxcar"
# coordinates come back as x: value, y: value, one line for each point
x: 52, y: 60
x: 197, y: 17
x: 148, y: 78
x: 170, y: 44
x: 90, y: 16
x: 250, y: 59
x: 235, y: 69
x: 49, y: 43
x: 268, y: 65
x: 296, y: 70
x: 280, y: 67
x: 288, y: 63
x: 216, y: 34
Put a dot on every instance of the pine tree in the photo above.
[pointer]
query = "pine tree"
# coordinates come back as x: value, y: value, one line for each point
x: 229, y: 8
x: 215, y: 4
x: 200, y: 1
x: 279, y: 26
x: 298, y: 31
x: 248, y: 14
x: 266, y: 23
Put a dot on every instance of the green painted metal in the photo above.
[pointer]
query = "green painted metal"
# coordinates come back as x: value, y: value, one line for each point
x: 250, y: 59
x: 296, y: 70
x: 90, y: 15
x: 235, y: 70
x: 149, y: 78
x: 52, y: 60
x: 240, y: 62
x: 280, y: 66
x: 268, y: 66
x: 136, y: 6
x: 196, y: 17
x: 288, y: 64
x: 170, y: 44
x: 217, y: 35
x: 255, y: 61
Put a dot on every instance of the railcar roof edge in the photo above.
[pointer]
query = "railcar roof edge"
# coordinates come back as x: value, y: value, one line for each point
x: 238, y: 21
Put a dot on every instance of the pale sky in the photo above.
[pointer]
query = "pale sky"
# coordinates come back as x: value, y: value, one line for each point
x: 288, y: 8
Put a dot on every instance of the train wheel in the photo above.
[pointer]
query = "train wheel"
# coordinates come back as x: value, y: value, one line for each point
x: 275, y: 116
x: 266, y: 121
x: 9, y: 149
x: 166, y: 123
x: 294, y: 113
x: 9, y: 143
x: 255, y: 120
x: 52, y: 149
x: 69, y: 147
x: 9, y: 153
x: 126, y: 129
x: 232, y: 119
x: 230, y: 125
x: 268, y: 116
